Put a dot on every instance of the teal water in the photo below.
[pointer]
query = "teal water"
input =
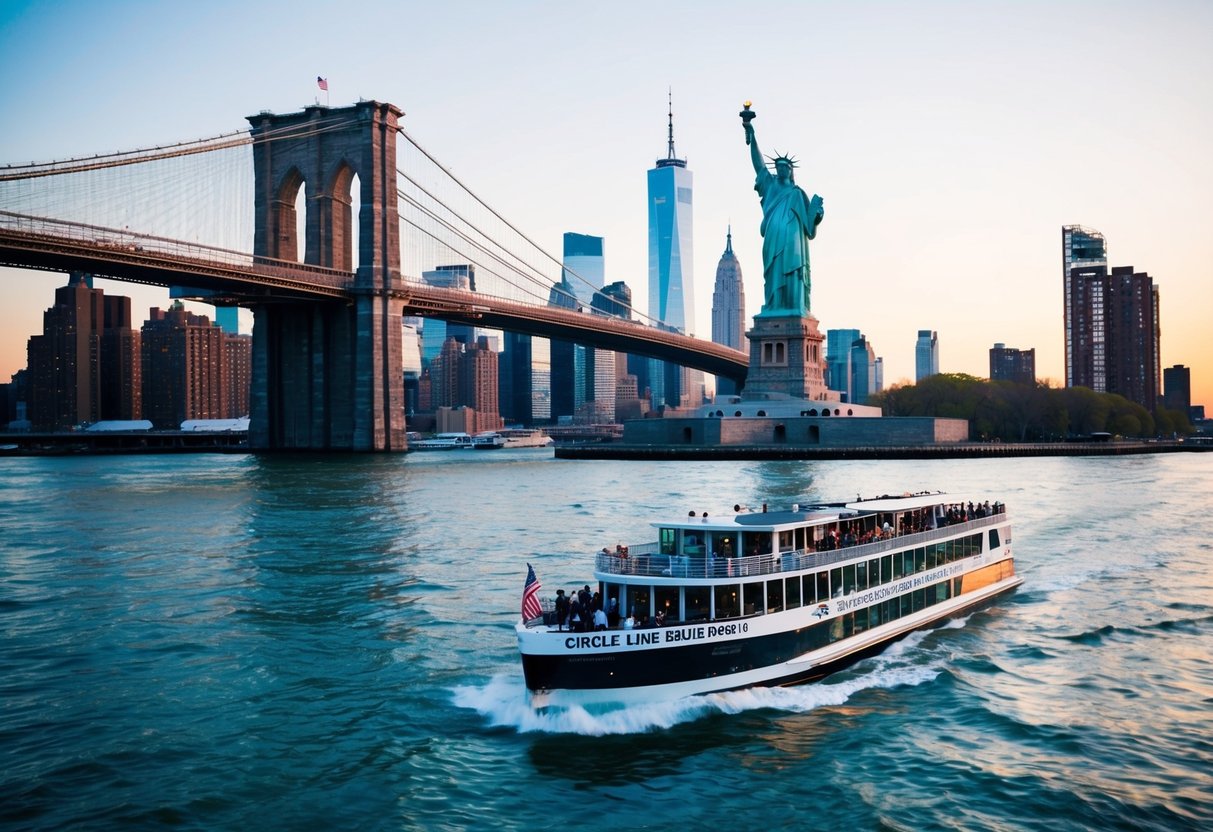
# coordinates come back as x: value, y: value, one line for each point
x: 226, y: 642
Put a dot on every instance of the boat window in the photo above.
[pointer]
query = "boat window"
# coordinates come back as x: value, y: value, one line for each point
x: 786, y: 541
x: 669, y: 539
x: 908, y: 558
x: 848, y: 579
x: 836, y: 582
x: 752, y: 600
x: 931, y: 558
x: 698, y: 603
x: 725, y: 545
x: 692, y: 544
x: 861, y: 576
x: 810, y: 589
x: 756, y: 543
x: 897, y: 565
x: 874, y: 572
x: 848, y: 625
x: 728, y: 601
x: 920, y: 599
x: 791, y: 593
x: 875, y: 615
x: 775, y: 595
x: 823, y: 586
x: 886, y: 569
x: 666, y: 598
x: 861, y: 620
x: 640, y: 602
x: 920, y: 559
x: 907, y: 604
x: 612, y: 591
x: 993, y: 538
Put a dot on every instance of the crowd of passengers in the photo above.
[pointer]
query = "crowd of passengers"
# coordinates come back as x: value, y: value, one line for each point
x: 912, y: 522
x: 582, y: 611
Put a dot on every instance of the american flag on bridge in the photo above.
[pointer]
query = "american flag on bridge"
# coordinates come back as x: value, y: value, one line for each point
x: 323, y: 83
x: 530, y: 599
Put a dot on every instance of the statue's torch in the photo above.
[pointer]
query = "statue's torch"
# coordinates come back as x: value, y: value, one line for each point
x: 747, y: 115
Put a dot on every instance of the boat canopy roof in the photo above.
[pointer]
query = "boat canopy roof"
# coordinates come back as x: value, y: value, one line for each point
x: 906, y: 502
x: 807, y: 514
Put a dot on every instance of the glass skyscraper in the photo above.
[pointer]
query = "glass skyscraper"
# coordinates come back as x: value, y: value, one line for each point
x: 926, y: 354
x: 838, y: 359
x: 584, y: 265
x: 671, y: 289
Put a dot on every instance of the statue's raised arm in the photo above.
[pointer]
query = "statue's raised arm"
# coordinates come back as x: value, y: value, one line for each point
x: 747, y: 116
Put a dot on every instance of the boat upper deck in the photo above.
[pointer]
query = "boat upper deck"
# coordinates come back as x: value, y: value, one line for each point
x: 762, y: 543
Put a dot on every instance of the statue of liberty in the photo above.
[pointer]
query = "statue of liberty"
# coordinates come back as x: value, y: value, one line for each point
x: 789, y: 221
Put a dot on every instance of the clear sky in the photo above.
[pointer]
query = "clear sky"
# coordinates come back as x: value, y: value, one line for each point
x: 950, y: 141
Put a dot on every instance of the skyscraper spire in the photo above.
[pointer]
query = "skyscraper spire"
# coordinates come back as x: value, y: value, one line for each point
x: 728, y: 245
x: 671, y: 93
x: 670, y: 158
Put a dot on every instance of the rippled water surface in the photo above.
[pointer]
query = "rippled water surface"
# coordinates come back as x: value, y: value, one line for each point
x: 226, y: 642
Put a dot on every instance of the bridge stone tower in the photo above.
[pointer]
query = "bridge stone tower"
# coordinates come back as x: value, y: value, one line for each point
x: 328, y: 376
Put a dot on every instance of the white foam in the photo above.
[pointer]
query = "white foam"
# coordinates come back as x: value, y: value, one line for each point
x: 503, y: 699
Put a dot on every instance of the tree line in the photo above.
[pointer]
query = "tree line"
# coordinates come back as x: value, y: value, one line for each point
x: 1013, y: 412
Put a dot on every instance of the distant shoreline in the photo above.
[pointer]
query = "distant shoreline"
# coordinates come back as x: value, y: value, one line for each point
x: 236, y: 442
x: 965, y: 450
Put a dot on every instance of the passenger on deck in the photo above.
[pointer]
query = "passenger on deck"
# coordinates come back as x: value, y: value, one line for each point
x: 562, y: 609
x: 576, y: 624
x: 600, y: 619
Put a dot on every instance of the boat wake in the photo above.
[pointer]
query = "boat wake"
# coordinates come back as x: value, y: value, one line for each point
x: 502, y: 700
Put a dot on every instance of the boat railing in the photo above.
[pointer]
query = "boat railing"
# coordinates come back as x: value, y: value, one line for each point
x: 646, y: 559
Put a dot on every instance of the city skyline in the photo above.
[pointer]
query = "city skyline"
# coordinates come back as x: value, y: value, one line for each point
x: 947, y: 160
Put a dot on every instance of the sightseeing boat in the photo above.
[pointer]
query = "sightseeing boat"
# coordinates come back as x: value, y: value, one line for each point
x: 452, y: 441
x: 762, y: 598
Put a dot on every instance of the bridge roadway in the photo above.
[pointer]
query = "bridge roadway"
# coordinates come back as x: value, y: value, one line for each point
x: 233, y: 277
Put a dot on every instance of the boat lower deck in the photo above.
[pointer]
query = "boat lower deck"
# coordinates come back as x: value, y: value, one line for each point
x: 784, y: 648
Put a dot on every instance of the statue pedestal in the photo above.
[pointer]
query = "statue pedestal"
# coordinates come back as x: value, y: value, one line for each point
x: 787, y: 356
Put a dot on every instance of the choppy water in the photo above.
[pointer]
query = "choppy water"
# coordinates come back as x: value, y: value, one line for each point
x: 224, y: 642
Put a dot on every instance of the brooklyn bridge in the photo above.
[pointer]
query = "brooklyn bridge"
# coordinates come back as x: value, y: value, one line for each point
x: 321, y: 222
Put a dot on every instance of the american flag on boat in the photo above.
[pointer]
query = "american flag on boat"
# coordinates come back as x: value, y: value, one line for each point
x: 530, y: 596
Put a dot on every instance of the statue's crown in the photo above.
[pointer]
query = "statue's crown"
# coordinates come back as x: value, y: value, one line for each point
x: 782, y: 158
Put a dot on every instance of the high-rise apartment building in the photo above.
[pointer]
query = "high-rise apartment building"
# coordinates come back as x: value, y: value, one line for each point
x: 926, y: 354
x: 122, y: 363
x: 1177, y: 388
x: 671, y: 285
x: 184, y: 372
x: 728, y: 310
x: 238, y: 373
x: 65, y: 360
x: 1086, y: 249
x: 84, y: 367
x: 1115, y: 326
x: 478, y: 383
x: 1010, y: 364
